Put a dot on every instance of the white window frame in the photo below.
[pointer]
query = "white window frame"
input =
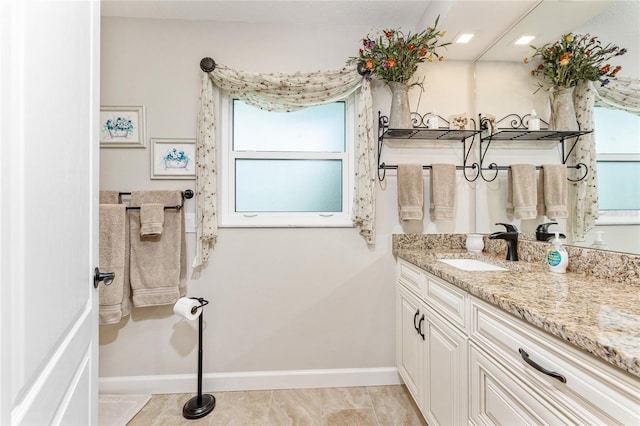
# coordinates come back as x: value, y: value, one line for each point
x: 229, y: 218
x: 618, y: 217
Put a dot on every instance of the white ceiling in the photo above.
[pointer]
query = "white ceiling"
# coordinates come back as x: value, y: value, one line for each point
x: 490, y: 20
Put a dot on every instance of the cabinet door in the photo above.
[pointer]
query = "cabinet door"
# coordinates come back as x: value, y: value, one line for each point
x: 444, y: 399
x: 497, y: 398
x: 409, y: 345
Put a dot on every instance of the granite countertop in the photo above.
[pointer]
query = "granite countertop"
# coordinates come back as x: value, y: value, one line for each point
x: 598, y: 315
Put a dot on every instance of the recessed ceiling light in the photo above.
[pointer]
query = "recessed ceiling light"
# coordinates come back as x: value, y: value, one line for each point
x: 525, y: 39
x: 464, y: 38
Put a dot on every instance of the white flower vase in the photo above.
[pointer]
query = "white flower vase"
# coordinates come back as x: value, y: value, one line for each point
x: 400, y: 114
x: 563, y: 113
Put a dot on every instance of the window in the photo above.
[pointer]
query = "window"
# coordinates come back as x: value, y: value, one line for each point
x: 618, y: 156
x: 287, y: 168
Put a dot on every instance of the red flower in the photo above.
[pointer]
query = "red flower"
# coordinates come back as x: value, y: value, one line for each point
x: 369, y: 64
x: 605, y: 69
x: 423, y: 51
x: 540, y: 67
x: 391, y: 63
x: 616, y: 70
x: 587, y: 52
x: 388, y: 33
x: 411, y: 46
x: 533, y: 72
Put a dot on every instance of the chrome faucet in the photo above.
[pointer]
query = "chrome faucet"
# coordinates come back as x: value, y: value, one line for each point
x: 511, y: 237
x: 543, y: 234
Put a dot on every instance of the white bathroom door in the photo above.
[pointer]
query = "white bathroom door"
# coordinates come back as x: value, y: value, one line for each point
x: 49, y: 159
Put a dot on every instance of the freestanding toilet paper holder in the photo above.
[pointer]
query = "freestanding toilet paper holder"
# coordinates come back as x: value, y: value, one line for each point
x: 200, y: 405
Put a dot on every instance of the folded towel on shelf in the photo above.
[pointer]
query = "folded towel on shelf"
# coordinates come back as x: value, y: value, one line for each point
x: 442, y: 202
x: 151, y: 219
x: 523, y: 191
x: 555, y: 190
x: 410, y: 192
x: 109, y: 197
x: 158, y: 263
x: 113, y: 299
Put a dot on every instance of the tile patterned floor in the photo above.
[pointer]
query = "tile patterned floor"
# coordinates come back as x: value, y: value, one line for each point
x: 367, y: 406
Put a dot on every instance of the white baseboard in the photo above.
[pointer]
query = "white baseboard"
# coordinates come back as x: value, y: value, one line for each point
x: 260, y: 380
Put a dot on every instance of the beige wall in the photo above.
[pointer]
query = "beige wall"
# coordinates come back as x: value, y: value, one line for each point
x: 281, y: 299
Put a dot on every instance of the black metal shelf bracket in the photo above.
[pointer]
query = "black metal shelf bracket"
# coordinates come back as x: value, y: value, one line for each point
x: 421, y: 131
x: 518, y: 131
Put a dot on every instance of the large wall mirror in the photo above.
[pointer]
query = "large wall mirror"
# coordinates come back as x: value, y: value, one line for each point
x: 504, y: 86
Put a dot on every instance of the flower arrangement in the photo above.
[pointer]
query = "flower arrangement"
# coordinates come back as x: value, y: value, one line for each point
x: 573, y: 58
x: 394, y: 56
x: 119, y: 126
x: 176, y: 159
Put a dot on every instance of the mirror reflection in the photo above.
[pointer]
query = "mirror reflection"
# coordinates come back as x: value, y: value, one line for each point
x: 504, y: 86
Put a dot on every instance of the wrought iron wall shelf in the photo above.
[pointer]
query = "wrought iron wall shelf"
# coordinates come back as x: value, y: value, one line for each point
x: 518, y: 131
x: 420, y: 131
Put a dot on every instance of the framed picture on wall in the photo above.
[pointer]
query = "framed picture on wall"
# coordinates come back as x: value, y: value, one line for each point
x: 173, y: 158
x: 122, y: 127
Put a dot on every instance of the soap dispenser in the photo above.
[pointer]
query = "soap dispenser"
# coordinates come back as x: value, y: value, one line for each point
x: 534, y: 121
x: 432, y: 121
x: 599, y: 242
x: 557, y: 257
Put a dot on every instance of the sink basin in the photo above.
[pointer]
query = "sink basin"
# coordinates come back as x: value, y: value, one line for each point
x: 472, y: 265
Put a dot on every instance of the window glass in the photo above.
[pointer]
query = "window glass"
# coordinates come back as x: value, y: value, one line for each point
x: 288, y: 185
x: 619, y: 185
x: 617, y: 131
x: 315, y: 129
x: 617, y: 138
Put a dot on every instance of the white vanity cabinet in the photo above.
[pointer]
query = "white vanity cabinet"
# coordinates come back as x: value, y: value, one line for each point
x: 432, y: 346
x: 463, y: 360
x: 563, y: 382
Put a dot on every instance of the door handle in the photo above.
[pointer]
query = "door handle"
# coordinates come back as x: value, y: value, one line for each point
x: 415, y: 317
x: 98, y: 276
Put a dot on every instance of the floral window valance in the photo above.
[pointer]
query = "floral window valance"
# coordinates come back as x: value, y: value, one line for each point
x: 282, y: 92
x: 621, y: 93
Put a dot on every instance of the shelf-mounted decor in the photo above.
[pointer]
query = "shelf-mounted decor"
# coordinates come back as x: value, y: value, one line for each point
x: 122, y: 127
x: 173, y: 158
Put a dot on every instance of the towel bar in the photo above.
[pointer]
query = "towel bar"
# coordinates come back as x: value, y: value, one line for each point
x: 187, y: 193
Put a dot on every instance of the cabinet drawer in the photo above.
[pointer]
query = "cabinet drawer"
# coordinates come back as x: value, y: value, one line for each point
x: 594, y: 392
x: 447, y: 300
x: 498, y: 398
x: 411, y: 277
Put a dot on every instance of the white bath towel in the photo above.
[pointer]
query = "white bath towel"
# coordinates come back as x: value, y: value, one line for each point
x: 410, y: 192
x: 113, y: 256
x: 158, y: 263
x: 522, y: 191
x: 442, y: 202
x: 555, y: 190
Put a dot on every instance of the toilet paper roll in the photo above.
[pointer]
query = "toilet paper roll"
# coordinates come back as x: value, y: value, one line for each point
x: 187, y: 308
